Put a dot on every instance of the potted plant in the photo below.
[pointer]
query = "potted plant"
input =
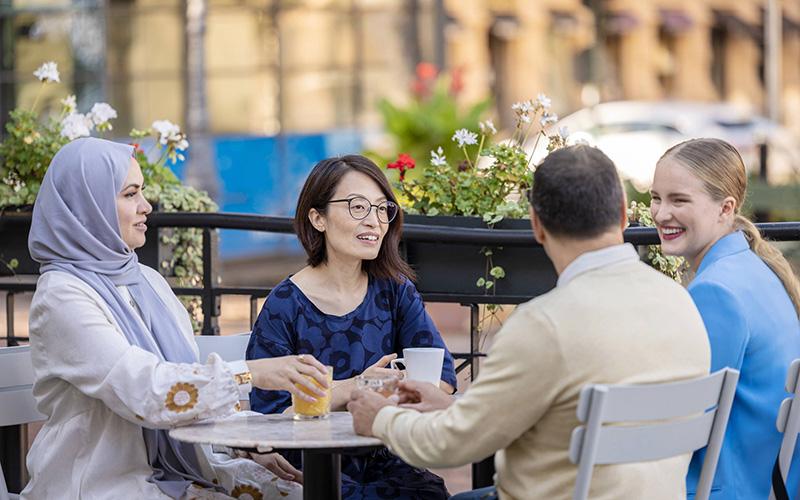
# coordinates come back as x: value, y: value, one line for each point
x: 26, y: 152
x: 484, y: 187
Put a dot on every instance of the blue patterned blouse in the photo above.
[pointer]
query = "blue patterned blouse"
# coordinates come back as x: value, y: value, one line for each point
x: 390, y: 318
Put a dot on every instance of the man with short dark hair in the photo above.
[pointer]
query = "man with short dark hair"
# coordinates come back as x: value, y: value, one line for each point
x: 611, y: 319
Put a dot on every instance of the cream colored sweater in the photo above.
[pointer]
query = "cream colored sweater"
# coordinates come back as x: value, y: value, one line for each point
x: 619, y: 324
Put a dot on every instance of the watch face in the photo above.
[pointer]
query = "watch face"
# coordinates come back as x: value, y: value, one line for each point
x: 243, y: 378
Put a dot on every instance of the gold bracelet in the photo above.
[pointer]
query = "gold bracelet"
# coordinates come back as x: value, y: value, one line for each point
x: 243, y: 378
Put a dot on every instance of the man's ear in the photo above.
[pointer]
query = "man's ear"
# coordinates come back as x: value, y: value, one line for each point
x: 536, y: 226
x: 317, y: 220
x: 623, y: 221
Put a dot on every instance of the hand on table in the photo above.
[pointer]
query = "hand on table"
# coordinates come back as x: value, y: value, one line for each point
x: 422, y: 396
x: 364, y: 405
x: 343, y: 388
x: 282, y: 374
x: 274, y: 463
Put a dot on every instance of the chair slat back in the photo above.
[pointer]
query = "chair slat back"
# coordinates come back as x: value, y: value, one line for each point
x: 788, y: 421
x: 642, y: 443
x: 663, y: 420
x: 229, y: 347
x: 17, y: 404
x: 15, y: 367
x: 656, y: 401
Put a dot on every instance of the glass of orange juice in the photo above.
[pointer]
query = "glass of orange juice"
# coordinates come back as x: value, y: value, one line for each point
x: 306, y: 410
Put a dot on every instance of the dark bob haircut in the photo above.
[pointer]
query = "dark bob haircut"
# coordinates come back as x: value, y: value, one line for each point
x: 577, y: 193
x: 318, y: 191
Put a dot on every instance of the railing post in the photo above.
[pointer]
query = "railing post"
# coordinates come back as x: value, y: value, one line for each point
x: 211, y: 303
x: 483, y: 471
x: 474, y: 340
x: 10, y: 338
x: 253, y: 311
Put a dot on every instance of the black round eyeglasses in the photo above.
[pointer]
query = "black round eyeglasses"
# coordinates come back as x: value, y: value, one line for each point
x: 360, y: 208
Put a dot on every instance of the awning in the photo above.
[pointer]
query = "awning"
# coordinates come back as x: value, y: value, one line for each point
x: 620, y: 22
x: 675, y: 21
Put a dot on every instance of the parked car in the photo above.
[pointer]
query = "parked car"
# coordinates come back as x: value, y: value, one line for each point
x: 634, y: 134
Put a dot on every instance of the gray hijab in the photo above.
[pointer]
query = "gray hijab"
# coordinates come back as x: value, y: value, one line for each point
x: 75, y: 229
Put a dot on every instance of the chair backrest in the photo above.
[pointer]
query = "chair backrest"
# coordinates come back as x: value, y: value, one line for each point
x: 17, y: 405
x: 666, y: 420
x: 788, y: 421
x: 229, y: 347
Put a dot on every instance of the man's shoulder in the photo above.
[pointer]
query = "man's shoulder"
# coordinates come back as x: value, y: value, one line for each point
x: 616, y: 287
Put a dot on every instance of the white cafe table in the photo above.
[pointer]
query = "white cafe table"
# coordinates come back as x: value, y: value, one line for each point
x: 321, y: 441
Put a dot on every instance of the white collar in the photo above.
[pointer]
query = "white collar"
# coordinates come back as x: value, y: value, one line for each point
x: 595, y: 259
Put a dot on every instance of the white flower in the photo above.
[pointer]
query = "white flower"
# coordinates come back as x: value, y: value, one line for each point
x: 524, y: 119
x: 563, y: 132
x: 437, y: 158
x: 76, y: 125
x: 465, y: 138
x: 548, y: 119
x: 101, y: 113
x: 543, y: 101
x: 167, y: 131
x: 181, y: 145
x: 70, y: 104
x: 522, y: 108
x: 487, y: 127
x: 47, y: 72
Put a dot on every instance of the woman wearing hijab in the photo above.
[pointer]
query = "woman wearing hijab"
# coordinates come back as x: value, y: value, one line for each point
x: 113, y: 352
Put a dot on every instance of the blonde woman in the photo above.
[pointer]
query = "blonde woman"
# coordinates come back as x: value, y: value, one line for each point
x: 749, y: 299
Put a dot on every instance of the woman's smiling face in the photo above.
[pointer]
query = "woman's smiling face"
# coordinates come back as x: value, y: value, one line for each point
x: 688, y: 219
x: 132, y: 208
x: 345, y: 236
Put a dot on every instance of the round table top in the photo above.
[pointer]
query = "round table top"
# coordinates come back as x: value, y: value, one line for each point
x: 265, y: 432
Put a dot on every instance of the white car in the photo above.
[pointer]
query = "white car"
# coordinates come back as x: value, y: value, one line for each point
x: 634, y: 134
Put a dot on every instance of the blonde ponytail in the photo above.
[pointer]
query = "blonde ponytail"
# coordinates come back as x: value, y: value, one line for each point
x: 771, y: 257
x: 721, y: 169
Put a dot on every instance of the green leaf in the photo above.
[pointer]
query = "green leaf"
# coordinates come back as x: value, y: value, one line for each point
x: 497, y: 272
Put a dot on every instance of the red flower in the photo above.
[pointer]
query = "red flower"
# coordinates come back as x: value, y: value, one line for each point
x: 427, y: 71
x: 425, y: 80
x: 456, y: 81
x: 404, y: 162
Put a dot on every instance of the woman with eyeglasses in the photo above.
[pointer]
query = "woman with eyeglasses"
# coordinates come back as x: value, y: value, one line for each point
x: 353, y: 307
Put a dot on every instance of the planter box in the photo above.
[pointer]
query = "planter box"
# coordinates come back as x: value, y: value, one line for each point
x: 454, y: 268
x: 14, y: 229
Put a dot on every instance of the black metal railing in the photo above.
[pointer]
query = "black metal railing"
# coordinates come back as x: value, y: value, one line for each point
x: 211, y: 292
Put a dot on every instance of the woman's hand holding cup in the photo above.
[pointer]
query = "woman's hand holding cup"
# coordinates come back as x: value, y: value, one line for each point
x: 288, y: 372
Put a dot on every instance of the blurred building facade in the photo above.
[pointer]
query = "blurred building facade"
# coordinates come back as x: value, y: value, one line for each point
x: 303, y: 66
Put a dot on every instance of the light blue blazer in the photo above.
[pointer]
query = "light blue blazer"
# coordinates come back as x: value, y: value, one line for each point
x: 753, y: 327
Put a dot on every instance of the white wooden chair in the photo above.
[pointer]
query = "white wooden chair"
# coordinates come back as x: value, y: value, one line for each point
x: 788, y: 422
x: 229, y: 347
x: 17, y: 405
x: 666, y: 420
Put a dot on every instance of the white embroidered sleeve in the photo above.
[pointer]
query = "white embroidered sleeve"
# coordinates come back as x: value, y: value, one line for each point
x: 83, y: 347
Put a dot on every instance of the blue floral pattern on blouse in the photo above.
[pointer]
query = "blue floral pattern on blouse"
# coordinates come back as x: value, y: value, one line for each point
x: 391, y: 317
